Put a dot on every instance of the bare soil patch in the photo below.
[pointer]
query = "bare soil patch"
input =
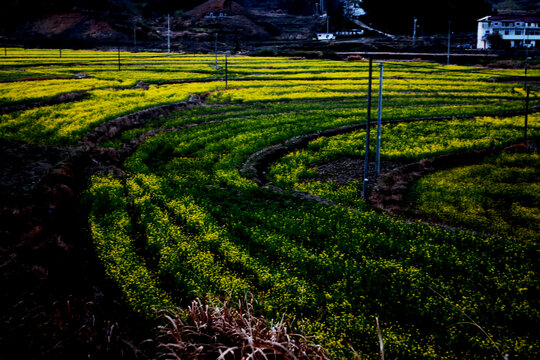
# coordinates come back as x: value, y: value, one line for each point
x: 391, y: 193
x: 345, y: 170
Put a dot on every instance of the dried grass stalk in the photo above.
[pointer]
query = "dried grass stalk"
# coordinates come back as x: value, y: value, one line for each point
x: 223, y: 332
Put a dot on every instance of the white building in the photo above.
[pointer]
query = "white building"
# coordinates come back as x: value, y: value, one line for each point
x: 326, y: 36
x: 515, y: 30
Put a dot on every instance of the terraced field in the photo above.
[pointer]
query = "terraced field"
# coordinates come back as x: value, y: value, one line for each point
x: 219, y: 191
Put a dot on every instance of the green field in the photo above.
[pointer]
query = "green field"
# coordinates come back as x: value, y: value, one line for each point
x: 183, y: 220
x: 500, y: 196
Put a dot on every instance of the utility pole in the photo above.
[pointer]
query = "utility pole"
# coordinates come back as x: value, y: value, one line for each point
x: 526, y: 67
x: 327, y: 24
x: 368, y: 121
x: 379, y: 120
x: 134, y: 36
x: 526, y: 59
x: 414, y: 33
x: 119, y: 59
x: 226, y: 72
x: 60, y: 51
x: 526, y: 114
x: 449, y: 33
x: 215, y: 51
x: 168, y: 35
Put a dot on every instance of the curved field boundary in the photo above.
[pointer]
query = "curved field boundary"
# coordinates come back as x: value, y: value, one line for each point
x: 391, y: 189
x: 42, y: 78
x: 390, y: 193
x: 32, y: 104
x: 254, y: 168
x: 112, y: 128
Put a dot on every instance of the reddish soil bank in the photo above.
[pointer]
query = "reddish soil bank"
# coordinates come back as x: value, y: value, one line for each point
x: 56, y: 302
x: 392, y: 189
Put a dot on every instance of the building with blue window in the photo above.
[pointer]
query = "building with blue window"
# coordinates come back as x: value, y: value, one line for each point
x: 513, y: 30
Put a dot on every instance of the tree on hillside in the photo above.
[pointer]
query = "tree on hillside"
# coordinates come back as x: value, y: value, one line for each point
x: 336, y: 11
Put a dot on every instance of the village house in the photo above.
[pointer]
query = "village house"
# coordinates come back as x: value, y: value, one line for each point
x: 513, y: 30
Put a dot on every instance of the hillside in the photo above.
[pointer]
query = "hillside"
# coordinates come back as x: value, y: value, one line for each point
x: 83, y: 23
x: 247, y: 24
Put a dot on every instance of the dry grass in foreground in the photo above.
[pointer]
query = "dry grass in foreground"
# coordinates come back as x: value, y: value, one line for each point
x: 223, y: 332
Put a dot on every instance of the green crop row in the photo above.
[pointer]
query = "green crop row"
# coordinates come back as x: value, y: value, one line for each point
x: 67, y: 123
x: 335, y: 268
x: 426, y: 139
x: 500, y: 196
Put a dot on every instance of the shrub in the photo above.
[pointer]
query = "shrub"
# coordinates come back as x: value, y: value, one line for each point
x: 223, y: 332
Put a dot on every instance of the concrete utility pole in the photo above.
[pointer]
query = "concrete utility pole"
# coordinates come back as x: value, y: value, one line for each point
x: 381, y: 343
x: 368, y: 122
x: 526, y: 67
x: 168, y: 35
x: 379, y: 120
x: 414, y: 33
x: 215, y: 51
x: 134, y: 36
x: 327, y: 24
x: 526, y: 114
